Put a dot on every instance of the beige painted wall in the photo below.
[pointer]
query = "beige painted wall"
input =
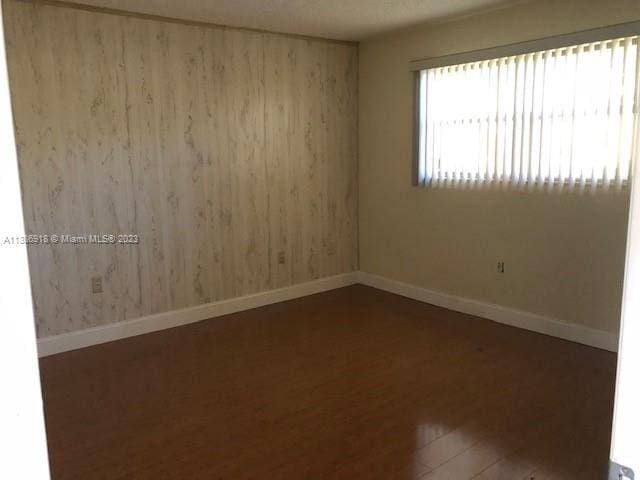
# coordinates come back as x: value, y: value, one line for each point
x: 564, y: 254
x: 232, y: 154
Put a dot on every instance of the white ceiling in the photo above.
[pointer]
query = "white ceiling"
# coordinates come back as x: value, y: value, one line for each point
x: 338, y: 19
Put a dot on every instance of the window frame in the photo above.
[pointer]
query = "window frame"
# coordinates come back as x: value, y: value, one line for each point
x: 418, y: 66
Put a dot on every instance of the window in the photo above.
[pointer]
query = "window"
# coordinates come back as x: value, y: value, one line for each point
x: 560, y: 118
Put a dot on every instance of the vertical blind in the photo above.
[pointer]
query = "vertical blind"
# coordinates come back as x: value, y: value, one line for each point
x: 563, y: 118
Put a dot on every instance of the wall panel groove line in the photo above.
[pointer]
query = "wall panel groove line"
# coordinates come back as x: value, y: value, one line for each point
x: 230, y: 152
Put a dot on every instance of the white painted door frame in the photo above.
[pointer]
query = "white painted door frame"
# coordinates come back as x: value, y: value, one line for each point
x: 625, y: 449
x: 625, y: 437
x: 23, y: 446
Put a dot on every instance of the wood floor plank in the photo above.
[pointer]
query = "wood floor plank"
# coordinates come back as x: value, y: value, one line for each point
x: 349, y: 384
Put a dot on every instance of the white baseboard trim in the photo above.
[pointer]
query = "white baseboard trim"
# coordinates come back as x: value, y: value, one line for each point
x: 152, y: 323
x: 161, y: 321
x: 509, y: 316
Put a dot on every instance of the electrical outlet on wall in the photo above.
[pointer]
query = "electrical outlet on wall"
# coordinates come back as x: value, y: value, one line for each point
x: 96, y: 285
x: 500, y: 267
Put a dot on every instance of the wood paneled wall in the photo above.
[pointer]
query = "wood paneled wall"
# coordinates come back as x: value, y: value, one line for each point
x: 231, y: 153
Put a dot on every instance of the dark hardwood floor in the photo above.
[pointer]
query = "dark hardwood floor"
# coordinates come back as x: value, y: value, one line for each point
x: 350, y: 384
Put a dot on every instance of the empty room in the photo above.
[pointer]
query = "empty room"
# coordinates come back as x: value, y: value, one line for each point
x: 361, y: 239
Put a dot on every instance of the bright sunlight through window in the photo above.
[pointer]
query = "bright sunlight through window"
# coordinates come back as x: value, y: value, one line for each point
x: 564, y: 118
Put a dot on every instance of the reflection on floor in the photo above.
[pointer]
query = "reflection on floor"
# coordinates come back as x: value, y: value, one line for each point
x: 349, y: 384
